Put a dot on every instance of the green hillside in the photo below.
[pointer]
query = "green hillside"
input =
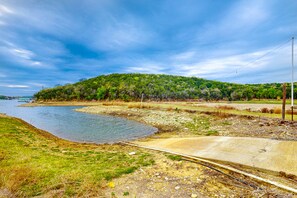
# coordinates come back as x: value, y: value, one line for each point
x: 130, y: 87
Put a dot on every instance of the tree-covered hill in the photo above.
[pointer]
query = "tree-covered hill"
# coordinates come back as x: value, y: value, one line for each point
x: 130, y: 87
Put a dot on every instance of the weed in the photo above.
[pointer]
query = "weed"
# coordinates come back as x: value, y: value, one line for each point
x: 126, y: 193
x: 226, y: 123
x: 212, y: 132
x: 174, y: 157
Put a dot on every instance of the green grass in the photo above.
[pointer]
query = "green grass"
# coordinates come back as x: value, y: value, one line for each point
x: 174, y: 157
x: 35, y: 163
x: 212, y: 132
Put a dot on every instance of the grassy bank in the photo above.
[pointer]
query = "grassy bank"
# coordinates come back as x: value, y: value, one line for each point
x: 34, y: 162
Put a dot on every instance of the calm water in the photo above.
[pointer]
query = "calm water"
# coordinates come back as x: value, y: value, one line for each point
x: 68, y: 124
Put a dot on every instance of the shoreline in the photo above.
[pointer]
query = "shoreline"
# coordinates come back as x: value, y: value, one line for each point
x: 167, y: 171
x: 180, y: 119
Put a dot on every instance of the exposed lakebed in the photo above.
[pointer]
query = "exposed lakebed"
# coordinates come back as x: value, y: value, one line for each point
x: 68, y: 124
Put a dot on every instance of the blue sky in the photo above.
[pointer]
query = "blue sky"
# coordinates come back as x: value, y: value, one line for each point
x: 44, y: 43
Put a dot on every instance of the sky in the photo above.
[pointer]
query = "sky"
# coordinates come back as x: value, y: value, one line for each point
x: 44, y: 43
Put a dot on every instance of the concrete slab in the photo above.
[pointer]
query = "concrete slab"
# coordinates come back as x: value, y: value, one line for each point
x: 262, y: 153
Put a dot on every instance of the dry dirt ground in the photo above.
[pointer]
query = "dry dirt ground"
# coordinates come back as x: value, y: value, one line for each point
x: 171, y: 177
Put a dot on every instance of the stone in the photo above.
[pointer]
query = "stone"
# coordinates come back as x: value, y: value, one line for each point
x: 132, y: 153
x: 194, y: 195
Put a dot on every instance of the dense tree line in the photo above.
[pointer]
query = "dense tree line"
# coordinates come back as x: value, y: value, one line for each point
x: 130, y: 87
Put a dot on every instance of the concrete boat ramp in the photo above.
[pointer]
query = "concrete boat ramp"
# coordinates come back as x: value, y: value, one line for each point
x: 261, y: 153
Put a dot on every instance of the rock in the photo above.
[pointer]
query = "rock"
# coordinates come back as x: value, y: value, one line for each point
x: 166, y: 178
x: 194, y: 195
x: 132, y: 153
x: 177, y: 187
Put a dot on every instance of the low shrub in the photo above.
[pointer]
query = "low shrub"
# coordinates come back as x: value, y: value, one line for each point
x: 264, y: 110
x: 277, y: 111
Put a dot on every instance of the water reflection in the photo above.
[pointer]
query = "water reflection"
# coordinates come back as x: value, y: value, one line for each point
x: 76, y: 126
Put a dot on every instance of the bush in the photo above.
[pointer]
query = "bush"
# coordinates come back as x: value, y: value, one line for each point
x: 277, y: 111
x: 264, y: 110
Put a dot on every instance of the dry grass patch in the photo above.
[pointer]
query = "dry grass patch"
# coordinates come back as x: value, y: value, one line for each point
x: 225, y: 107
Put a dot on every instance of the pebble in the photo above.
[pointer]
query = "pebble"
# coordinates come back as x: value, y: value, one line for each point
x: 132, y: 153
x: 166, y: 178
x: 194, y: 196
x: 177, y: 187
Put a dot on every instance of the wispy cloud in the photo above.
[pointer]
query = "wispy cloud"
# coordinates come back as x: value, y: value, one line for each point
x: 15, y: 86
x: 5, y: 10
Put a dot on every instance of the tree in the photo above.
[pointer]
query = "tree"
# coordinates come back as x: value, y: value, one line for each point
x: 101, y: 92
x: 236, y: 95
x: 247, y: 93
x: 215, y: 94
x: 205, y: 94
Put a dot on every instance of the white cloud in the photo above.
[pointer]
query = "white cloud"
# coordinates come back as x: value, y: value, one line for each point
x: 5, y: 10
x: 236, y: 22
x: 246, y: 14
x: 100, y: 28
x: 15, y: 86
x: 121, y: 35
x: 188, y: 55
x: 23, y: 57
x: 146, y: 67
x: 262, y: 66
x: 22, y: 53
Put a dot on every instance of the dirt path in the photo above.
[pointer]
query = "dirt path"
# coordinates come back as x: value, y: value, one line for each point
x: 262, y: 153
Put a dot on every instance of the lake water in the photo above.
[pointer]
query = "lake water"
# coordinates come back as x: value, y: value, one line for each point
x: 68, y: 124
